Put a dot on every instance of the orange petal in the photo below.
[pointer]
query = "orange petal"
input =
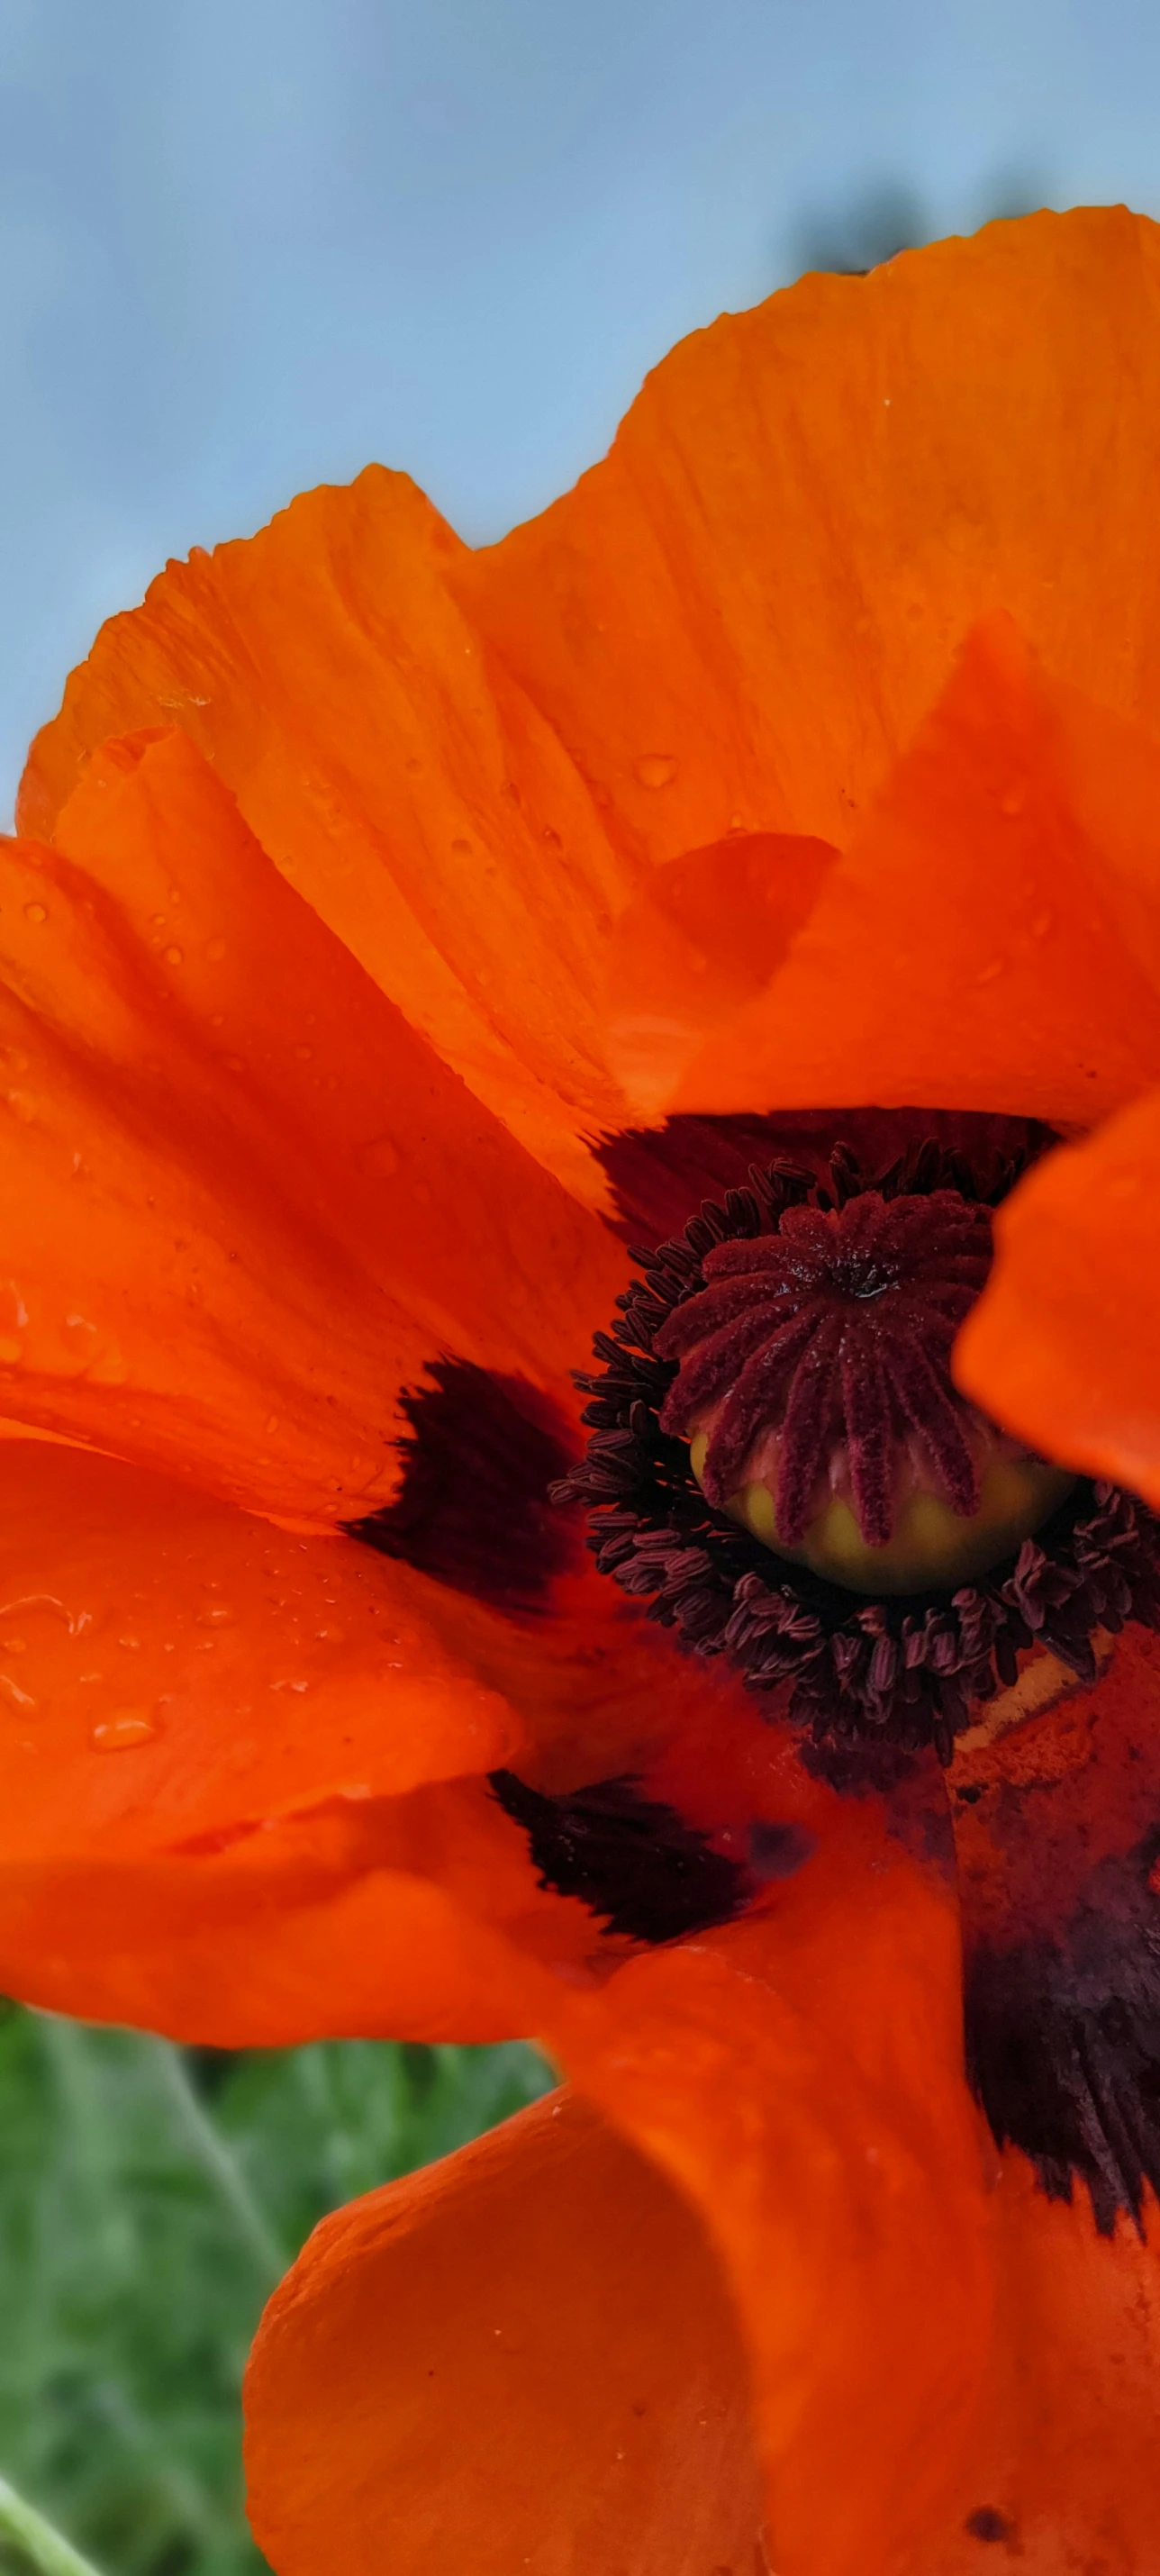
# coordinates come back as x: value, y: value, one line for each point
x: 733, y: 623
x: 702, y: 939
x: 520, y: 2358
x: 1062, y: 1346
x: 290, y: 1936
x: 171, y: 1668
x: 245, y: 1201
x: 740, y: 616
x: 245, y: 1771
x: 396, y: 774
x: 992, y: 940
x: 798, y: 2075
x: 1063, y: 2470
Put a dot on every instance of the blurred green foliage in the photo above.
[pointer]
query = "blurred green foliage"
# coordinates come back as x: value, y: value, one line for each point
x: 150, y: 2197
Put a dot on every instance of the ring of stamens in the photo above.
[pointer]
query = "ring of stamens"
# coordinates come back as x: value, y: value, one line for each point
x: 878, y: 1270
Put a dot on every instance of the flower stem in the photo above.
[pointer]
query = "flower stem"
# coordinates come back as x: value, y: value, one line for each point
x: 44, y: 2548
x: 270, y: 2259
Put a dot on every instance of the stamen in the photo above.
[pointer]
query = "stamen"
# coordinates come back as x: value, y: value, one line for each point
x: 897, y: 1642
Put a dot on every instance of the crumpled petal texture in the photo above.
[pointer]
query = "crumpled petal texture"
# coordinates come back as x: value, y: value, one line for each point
x: 721, y: 630
x: 991, y: 941
x: 398, y: 776
x: 809, y: 506
x: 797, y: 2078
x: 245, y: 1202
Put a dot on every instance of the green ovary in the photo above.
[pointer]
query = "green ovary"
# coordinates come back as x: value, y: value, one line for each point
x: 930, y: 1548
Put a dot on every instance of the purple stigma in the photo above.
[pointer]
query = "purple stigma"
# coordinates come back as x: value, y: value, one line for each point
x: 823, y: 1349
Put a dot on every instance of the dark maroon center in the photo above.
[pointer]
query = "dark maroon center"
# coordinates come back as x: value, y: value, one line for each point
x: 831, y: 1337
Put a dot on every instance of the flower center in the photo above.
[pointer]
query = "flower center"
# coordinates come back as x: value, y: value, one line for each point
x: 973, y: 1552
x: 814, y: 1389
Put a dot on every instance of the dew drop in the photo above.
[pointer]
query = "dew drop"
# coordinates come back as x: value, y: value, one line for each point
x: 175, y: 956
x: 461, y: 847
x: 1042, y: 924
x: 304, y: 1054
x: 655, y: 768
x: 125, y: 1728
x: 36, y: 912
x: 215, y: 950
x: 988, y: 973
x: 215, y: 1616
x: 1014, y: 798
x: 552, y: 838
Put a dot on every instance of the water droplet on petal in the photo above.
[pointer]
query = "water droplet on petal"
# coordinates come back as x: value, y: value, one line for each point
x: 1014, y: 798
x: 125, y: 1728
x: 215, y: 950
x: 1042, y: 924
x: 36, y: 912
x: 175, y: 956
x: 656, y: 768
x: 215, y: 1616
x: 987, y: 974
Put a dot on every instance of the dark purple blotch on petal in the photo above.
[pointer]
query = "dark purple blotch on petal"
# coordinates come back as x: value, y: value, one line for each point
x: 473, y: 1508
x: 627, y: 1857
x: 1063, y: 2038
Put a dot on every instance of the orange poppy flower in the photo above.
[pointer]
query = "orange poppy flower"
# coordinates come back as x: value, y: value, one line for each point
x: 752, y: 860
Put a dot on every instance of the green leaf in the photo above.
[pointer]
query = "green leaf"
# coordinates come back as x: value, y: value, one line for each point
x: 149, y: 2197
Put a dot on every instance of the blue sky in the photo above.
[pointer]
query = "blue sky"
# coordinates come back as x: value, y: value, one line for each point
x: 247, y: 244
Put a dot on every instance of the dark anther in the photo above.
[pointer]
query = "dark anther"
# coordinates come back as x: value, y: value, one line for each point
x: 473, y: 1507
x: 628, y: 1858
x: 908, y: 1665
